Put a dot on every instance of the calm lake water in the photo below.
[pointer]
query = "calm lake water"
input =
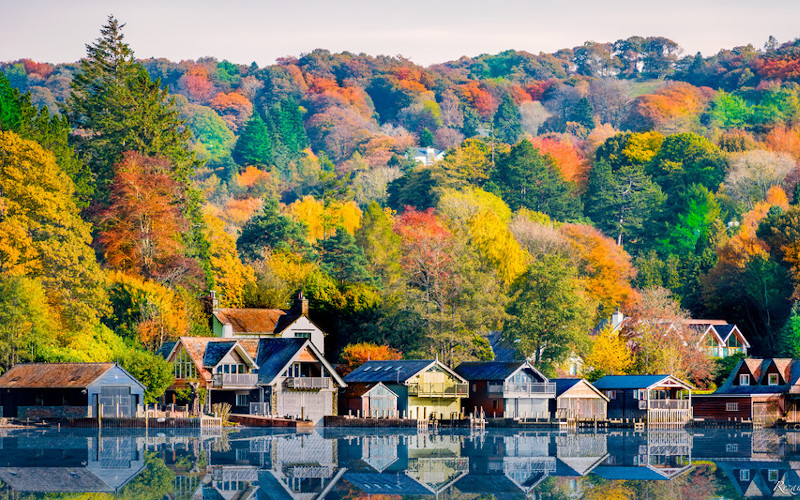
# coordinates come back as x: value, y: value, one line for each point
x: 390, y: 464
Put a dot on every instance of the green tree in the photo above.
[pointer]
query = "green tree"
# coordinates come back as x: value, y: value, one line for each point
x: 622, y: 204
x: 380, y: 244
x: 254, y: 146
x: 119, y: 108
x: 507, y: 121
x: 529, y: 180
x: 426, y: 138
x: 343, y: 259
x: 26, y: 322
x: 153, y: 371
x: 549, y: 312
x: 270, y: 230
x: 414, y: 189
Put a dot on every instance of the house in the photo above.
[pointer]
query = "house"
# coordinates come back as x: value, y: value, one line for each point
x: 656, y: 398
x: 762, y: 390
x: 267, y: 323
x: 368, y: 399
x: 658, y: 455
x: 425, y: 388
x: 70, y: 390
x: 267, y: 376
x: 427, y: 156
x: 720, y: 338
x: 506, y: 389
x: 576, y: 398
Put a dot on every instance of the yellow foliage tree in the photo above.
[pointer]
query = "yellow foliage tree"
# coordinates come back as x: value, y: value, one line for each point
x: 230, y: 274
x: 459, y: 206
x: 346, y: 215
x: 497, y: 246
x: 322, y: 220
x: 609, y: 353
x: 310, y: 211
x: 42, y: 235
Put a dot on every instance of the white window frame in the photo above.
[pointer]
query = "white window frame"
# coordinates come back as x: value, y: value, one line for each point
x: 772, y: 473
x: 744, y: 379
x: 731, y: 447
x: 238, y: 400
x: 772, y: 379
x: 744, y: 475
x: 731, y: 406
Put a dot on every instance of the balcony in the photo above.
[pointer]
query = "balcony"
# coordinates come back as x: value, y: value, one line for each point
x: 235, y: 380
x: 308, y: 383
x: 261, y: 409
x: 439, y: 390
x: 525, y: 389
x: 668, y: 404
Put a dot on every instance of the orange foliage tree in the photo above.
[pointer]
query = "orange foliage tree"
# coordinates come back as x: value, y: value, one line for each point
x: 605, y: 266
x: 355, y: 355
x: 573, y: 167
x: 784, y: 140
x: 670, y: 108
x: 195, y: 83
x: 479, y: 98
x: 141, y: 230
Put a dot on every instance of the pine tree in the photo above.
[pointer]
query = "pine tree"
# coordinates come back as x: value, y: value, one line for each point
x: 343, y: 259
x: 118, y: 108
x: 507, y: 121
x: 270, y: 230
x: 426, y: 138
x: 254, y: 146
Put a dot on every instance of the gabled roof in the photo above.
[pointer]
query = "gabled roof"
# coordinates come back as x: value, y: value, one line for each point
x: 565, y: 384
x: 394, y: 371
x: 357, y: 389
x: 275, y: 355
x: 250, y: 321
x: 166, y: 349
x: 198, y: 347
x: 54, y: 375
x: 493, y: 370
x: 635, y: 381
x: 789, y: 369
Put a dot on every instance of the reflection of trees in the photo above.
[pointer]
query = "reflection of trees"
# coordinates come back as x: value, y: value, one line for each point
x: 155, y: 481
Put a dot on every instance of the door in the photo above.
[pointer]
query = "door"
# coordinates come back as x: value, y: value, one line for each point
x: 116, y: 402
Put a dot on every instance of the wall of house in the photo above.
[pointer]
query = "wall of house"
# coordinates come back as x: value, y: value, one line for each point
x: 716, y: 408
x: 311, y: 405
x: 479, y: 398
x: 123, y: 386
x: 422, y: 408
x: 304, y: 328
x: 582, y: 407
x: 525, y: 407
x: 44, y: 403
x: 623, y: 405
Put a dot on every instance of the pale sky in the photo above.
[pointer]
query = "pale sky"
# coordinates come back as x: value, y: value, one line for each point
x: 424, y: 31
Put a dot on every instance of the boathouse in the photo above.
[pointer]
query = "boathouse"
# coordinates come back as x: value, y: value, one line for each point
x: 69, y: 390
x: 425, y: 388
x: 368, y: 399
x: 761, y: 390
x: 656, y: 398
x: 506, y: 389
x: 577, y: 399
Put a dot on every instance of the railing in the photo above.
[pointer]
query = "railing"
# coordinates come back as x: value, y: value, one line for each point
x: 524, y: 388
x: 308, y: 382
x: 259, y: 409
x: 442, y: 389
x: 667, y: 404
x: 235, y: 380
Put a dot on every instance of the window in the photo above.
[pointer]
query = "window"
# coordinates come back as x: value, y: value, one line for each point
x: 744, y: 379
x: 732, y: 447
x: 611, y: 394
x: 744, y: 475
x: 302, y: 335
x: 773, y: 475
x: 242, y: 400
x: 772, y: 379
x: 732, y: 407
x: 495, y: 404
x: 184, y: 366
x: 636, y: 394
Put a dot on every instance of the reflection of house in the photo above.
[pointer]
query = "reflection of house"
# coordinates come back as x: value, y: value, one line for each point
x: 76, y: 464
x: 657, y: 455
x: 577, y: 398
x: 657, y: 398
x: 509, y: 389
x: 268, y: 376
x: 424, y: 388
x: 763, y: 390
x: 69, y: 390
x: 762, y: 479
x: 435, y: 461
x: 368, y: 399
x: 268, y: 323
x: 578, y: 454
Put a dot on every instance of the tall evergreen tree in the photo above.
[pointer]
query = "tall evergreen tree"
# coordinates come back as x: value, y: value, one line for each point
x: 343, y: 259
x: 507, y: 121
x: 271, y: 230
x: 528, y: 179
x: 254, y: 146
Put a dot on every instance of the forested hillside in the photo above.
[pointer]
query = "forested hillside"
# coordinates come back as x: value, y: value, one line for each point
x: 611, y: 175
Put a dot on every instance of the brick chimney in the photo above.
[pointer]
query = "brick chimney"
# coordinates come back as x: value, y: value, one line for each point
x: 300, y: 305
x: 214, y: 300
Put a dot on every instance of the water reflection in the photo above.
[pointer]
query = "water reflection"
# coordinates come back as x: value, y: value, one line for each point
x: 350, y: 464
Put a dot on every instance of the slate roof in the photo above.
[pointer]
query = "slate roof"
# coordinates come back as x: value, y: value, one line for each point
x: 285, y: 321
x: 358, y: 389
x: 165, y: 349
x: 274, y: 355
x: 250, y: 321
x: 501, y: 351
x: 388, y: 371
x: 628, y: 381
x: 53, y: 375
x: 385, y: 483
x: 215, y: 351
x: 789, y: 369
x: 629, y: 473
x: 488, y: 370
x: 53, y: 480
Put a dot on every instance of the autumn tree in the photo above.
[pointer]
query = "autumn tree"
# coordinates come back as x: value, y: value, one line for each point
x: 609, y: 354
x: 380, y: 243
x: 142, y: 227
x: 355, y: 355
x: 254, y: 146
x: 269, y: 231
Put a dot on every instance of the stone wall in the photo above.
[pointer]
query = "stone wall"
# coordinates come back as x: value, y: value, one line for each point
x: 52, y: 412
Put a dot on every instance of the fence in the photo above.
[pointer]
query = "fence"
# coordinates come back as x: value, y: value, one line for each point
x: 308, y: 382
x: 433, y: 389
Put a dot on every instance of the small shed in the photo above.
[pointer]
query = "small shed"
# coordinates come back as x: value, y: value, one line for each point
x: 69, y: 390
x: 368, y: 399
x: 658, y: 398
x: 576, y: 398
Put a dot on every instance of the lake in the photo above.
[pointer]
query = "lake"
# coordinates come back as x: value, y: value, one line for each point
x: 350, y: 464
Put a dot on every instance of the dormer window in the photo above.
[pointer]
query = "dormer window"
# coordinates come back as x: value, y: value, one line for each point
x: 744, y: 379
x: 772, y: 379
